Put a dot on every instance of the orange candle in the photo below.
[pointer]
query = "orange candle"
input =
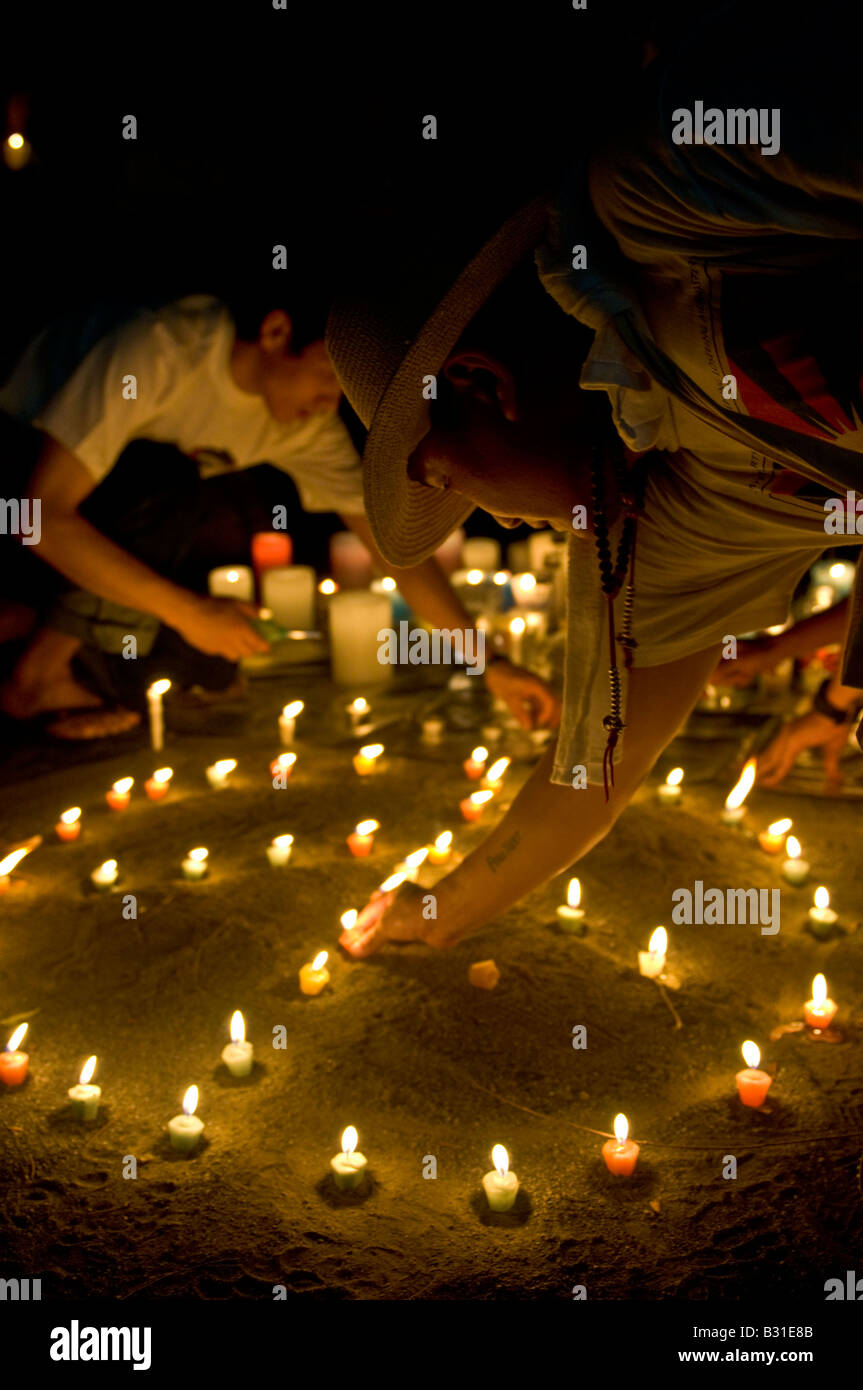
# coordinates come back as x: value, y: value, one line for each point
x: 69, y: 825
x: 493, y: 779
x: 620, y: 1153
x: 361, y: 839
x: 772, y: 839
x: 752, y: 1084
x: 440, y: 851
x: 157, y: 786
x: 366, y: 760
x: 473, y: 806
x: 13, y: 1064
x: 474, y: 766
x: 118, y: 797
x: 284, y: 764
x: 314, y: 977
x: 819, y: 1010
x: 270, y: 550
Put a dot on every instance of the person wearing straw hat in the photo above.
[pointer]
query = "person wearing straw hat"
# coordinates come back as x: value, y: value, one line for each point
x: 690, y: 471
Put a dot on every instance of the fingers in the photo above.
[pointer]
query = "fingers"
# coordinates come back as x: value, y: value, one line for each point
x: 775, y: 762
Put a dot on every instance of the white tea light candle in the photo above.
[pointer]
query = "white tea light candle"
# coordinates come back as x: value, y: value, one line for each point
x: 195, y: 864
x: 349, y: 1165
x: 652, y: 961
x: 218, y: 774
x: 669, y: 790
x: 279, y: 852
x: 501, y: 1186
x: 794, y: 869
x: 821, y: 914
x: 84, y: 1097
x: 238, y: 1054
x: 105, y: 876
x: 232, y: 581
x: 570, y: 915
x: 185, y: 1130
x: 358, y: 712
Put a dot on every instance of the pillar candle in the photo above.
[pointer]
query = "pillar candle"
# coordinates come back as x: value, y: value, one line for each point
x: 481, y: 552
x: 120, y: 793
x: 752, y: 1084
x: 85, y: 1097
x: 356, y: 619
x: 620, y: 1153
x: 238, y: 1054
x: 185, y: 1130
x: 288, y: 722
x: 500, y: 1185
x: 349, y: 1166
x: 232, y: 581
x: 13, y: 1063
x: 157, y: 713
x: 157, y: 786
x: 69, y: 825
x: 270, y: 550
x: 290, y: 595
x: 314, y: 977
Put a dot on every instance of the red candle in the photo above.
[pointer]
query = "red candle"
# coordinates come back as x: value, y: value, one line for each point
x: 361, y: 839
x: 69, y: 825
x: 119, y: 795
x: 13, y: 1064
x: 620, y: 1153
x: 473, y: 806
x: 819, y: 1010
x: 474, y: 766
x: 270, y: 550
x: 284, y: 764
x: 157, y: 786
x: 752, y: 1084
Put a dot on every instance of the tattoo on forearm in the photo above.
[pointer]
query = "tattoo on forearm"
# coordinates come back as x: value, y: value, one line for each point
x: 494, y: 860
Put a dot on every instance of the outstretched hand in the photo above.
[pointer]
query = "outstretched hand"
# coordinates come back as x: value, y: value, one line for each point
x: 810, y: 730
x: 531, y: 700
x: 393, y: 916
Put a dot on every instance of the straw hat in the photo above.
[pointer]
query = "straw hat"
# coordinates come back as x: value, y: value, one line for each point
x: 421, y: 291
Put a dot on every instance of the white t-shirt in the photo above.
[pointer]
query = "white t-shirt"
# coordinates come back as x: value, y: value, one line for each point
x: 186, y: 396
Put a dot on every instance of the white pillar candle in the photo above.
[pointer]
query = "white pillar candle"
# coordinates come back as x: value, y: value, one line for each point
x: 232, y: 581
x: 351, y: 563
x: 279, y: 852
x: 185, y: 1130
x: 157, y: 716
x: 85, y: 1097
x: 652, y: 961
x: 288, y: 722
x: 195, y: 864
x: 356, y: 619
x: 501, y: 1186
x: 105, y: 876
x: 238, y: 1054
x: 481, y: 553
x: 289, y: 593
x: 218, y: 774
x: 349, y: 1165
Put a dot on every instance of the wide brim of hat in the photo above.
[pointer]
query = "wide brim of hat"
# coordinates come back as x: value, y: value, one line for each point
x: 410, y: 520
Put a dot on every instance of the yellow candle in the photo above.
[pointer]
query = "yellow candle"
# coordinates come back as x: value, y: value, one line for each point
x: 313, y: 977
x: 365, y: 761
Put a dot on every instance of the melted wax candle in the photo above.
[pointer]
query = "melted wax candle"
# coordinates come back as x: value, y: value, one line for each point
x: 158, y: 785
x: 85, y: 1097
x: 349, y: 1165
x: 366, y: 760
x: 652, y: 961
x: 669, y: 792
x: 819, y: 1010
x: 238, y: 1054
x: 362, y: 838
x: 772, y: 839
x: 474, y: 766
x: 794, y: 869
x: 752, y: 1084
x: 734, y: 810
x: 620, y: 1153
x: 185, y: 1130
x: 314, y: 977
x: 13, y: 1064
x: 120, y: 793
x: 69, y: 825
x: 500, y: 1185
x: 569, y: 914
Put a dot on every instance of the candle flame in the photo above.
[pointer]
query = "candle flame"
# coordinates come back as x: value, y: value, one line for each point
x: 224, y: 766
x: 838, y: 571
x: 282, y: 841
x: 8, y: 864
x: 573, y: 893
x: 658, y: 943
x: 69, y: 817
x: 474, y: 576
x: 675, y: 777
x: 108, y: 867
x: 371, y: 751
x: 320, y: 960
x: 480, y: 798
x: 501, y: 577
x: 780, y: 827
x: 388, y: 583
x: 349, y: 1141
x: 739, y: 793
x: 328, y: 586
x: 517, y: 626
x: 479, y: 754
x: 286, y: 760
x: 232, y: 576
x: 348, y: 919
x: 360, y: 705
x: 526, y: 582
x: 367, y: 827
x: 751, y: 1054
x: 158, y: 688
x: 190, y: 1101
x: 16, y: 1038
x: 792, y: 847
x: 621, y: 1128
x: 496, y: 771
x: 443, y: 841
x: 392, y: 882
x: 500, y: 1159
x: 15, y: 142
x: 124, y: 785
x: 414, y: 860
x: 163, y: 774
x: 199, y: 855
x: 293, y: 709
x: 822, y: 897
x: 819, y: 991
x: 87, y: 1071
x: 238, y: 1027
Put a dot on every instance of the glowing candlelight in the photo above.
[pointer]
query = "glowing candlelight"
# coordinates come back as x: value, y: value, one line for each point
x: 84, y: 1097
x: 118, y: 797
x: 772, y: 839
x: 652, y: 961
x: 279, y: 850
x: 523, y: 586
x: 394, y: 881
x: 500, y: 578
x: 238, y: 1054
x: 752, y: 1084
x: 283, y: 766
x: 357, y: 711
x: 157, y: 714
x: 366, y: 760
x: 473, y: 806
x: 794, y: 869
x: 734, y: 810
x: 410, y: 866
x: 349, y: 1165
x: 105, y: 876
x: 328, y: 586
x: 517, y: 628
x: 185, y: 1130
x: 69, y: 825
x: 440, y: 851
x: 620, y: 1153
x: 474, y: 766
x: 218, y: 774
x: 569, y: 914
x: 349, y: 919
x: 501, y: 1186
x: 822, y: 918
x: 314, y: 977
x: 362, y: 838
x: 158, y: 785
x: 13, y: 1064
x: 494, y: 776
x: 669, y: 790
x: 288, y: 722
x: 195, y: 864
x: 474, y: 577
x: 819, y: 1010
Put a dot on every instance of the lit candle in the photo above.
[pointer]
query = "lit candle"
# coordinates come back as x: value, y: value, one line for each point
x: 569, y: 914
x: 819, y: 1010
x: 473, y: 806
x: 394, y: 881
x: 410, y: 866
x: 279, y: 851
x: 361, y: 839
x: 440, y: 851
x: 516, y: 638
x: 772, y: 839
x: 195, y: 864
x: 523, y: 586
x: 157, y: 714
x: 348, y: 921
x: 349, y: 1166
x: 238, y: 1054
x: 669, y: 791
x: 232, y: 581
x: 288, y: 722
x: 218, y: 774
x: 501, y: 1186
x: 314, y: 977
x: 69, y: 825
x: 794, y: 869
x: 474, y: 766
x: 620, y: 1153
x: 283, y: 765
x: 493, y: 779
x: 270, y: 550
x: 328, y: 586
x: 105, y: 876
x: 652, y: 961
x: 433, y: 728
x: 84, y: 1096
x: 822, y: 918
x: 185, y: 1130
x: 157, y: 786
x: 365, y: 761
x: 734, y: 810
x: 752, y: 1084
x: 120, y: 793
x: 357, y: 711
x: 8, y: 864
x: 13, y: 1064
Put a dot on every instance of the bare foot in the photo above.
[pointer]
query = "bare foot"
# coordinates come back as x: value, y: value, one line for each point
x: 102, y: 723
x: 24, y: 700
